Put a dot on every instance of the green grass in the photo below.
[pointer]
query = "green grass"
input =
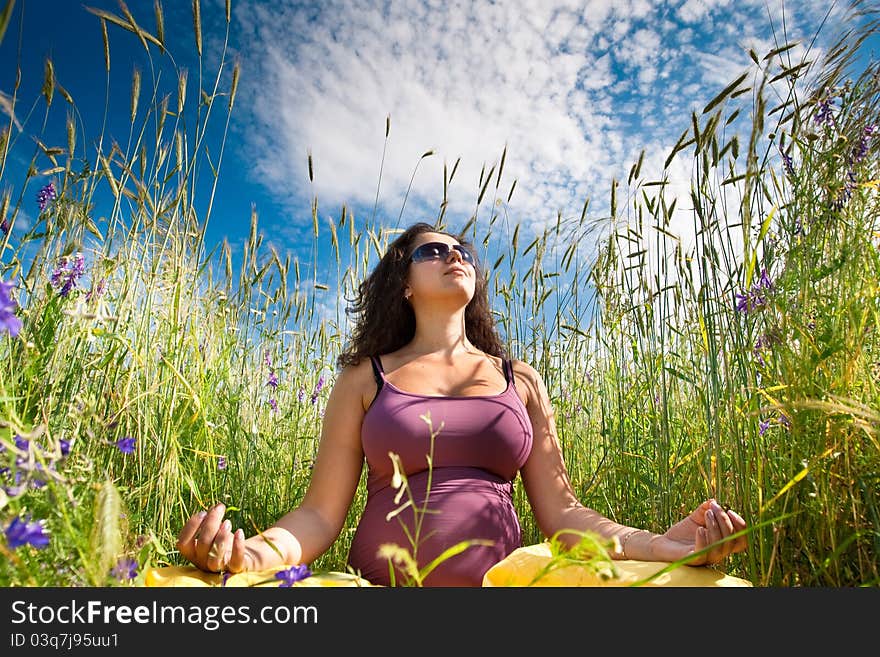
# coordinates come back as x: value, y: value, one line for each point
x: 664, y: 392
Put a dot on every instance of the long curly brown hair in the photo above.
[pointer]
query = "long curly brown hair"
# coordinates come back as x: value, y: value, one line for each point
x: 385, y: 322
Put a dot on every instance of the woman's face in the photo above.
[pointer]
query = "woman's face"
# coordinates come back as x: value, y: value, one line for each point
x: 439, y: 271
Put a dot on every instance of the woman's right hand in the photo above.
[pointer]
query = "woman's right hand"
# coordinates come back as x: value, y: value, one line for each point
x: 207, y: 540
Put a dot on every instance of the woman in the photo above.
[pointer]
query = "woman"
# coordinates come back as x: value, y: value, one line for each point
x: 426, y: 378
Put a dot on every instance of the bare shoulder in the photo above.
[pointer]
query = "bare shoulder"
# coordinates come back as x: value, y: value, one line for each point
x: 357, y: 382
x: 357, y: 372
x: 529, y: 382
x: 525, y: 372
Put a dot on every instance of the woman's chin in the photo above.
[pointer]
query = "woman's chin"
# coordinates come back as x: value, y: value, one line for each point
x: 465, y: 290
x: 460, y: 295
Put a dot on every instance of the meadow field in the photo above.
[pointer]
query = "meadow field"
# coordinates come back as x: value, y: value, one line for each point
x: 146, y: 373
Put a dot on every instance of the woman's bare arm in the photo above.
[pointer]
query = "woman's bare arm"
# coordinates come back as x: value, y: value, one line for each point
x: 307, y: 531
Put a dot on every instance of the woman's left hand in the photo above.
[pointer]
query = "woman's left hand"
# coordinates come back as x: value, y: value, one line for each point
x: 708, y: 524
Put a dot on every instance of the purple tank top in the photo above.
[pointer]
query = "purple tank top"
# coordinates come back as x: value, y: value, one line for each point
x: 481, y: 442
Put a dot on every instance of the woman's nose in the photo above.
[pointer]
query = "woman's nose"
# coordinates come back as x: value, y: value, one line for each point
x: 456, y: 254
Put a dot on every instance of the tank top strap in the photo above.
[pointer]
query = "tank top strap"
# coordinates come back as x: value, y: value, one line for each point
x: 377, y: 372
x: 508, y: 371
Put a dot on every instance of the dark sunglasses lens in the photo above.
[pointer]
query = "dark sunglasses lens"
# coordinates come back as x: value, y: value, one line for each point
x: 440, y: 251
x: 430, y: 251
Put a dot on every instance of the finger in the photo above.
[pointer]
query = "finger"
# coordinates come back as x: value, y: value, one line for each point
x: 737, y: 525
x: 719, y: 548
x: 713, y: 533
x: 235, y: 562
x: 699, y: 514
x: 725, y: 529
x: 186, y: 543
x: 217, y: 555
x: 725, y: 524
x: 208, y: 531
x: 741, y: 543
x: 701, y: 541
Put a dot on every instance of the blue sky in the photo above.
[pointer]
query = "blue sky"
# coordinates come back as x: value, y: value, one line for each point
x: 574, y: 90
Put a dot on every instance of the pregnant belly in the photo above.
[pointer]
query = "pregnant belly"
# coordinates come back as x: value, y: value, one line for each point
x: 463, y: 504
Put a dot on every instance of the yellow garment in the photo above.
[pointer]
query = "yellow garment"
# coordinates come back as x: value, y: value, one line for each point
x: 192, y: 576
x: 519, y: 569
x: 522, y: 565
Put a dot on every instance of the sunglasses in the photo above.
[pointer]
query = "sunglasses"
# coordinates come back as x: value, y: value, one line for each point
x: 440, y: 251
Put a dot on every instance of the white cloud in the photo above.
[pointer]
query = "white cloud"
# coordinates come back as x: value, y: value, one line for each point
x: 575, y: 90
x: 693, y: 11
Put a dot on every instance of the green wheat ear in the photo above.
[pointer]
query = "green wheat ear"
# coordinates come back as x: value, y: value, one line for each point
x: 106, y: 538
x: 5, y: 14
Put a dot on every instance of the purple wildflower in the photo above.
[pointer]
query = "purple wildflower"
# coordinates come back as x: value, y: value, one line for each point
x: 267, y: 360
x: 8, y: 321
x: 274, y: 404
x: 221, y: 463
x: 273, y: 380
x: 787, y: 163
x: 749, y: 301
x: 301, y: 395
x: 4, y: 226
x: 754, y: 298
x: 292, y: 575
x: 125, y: 569
x: 97, y: 290
x: 21, y: 532
x: 860, y: 150
x: 21, y: 443
x: 318, y: 389
x: 66, y: 274
x: 45, y: 195
x: 772, y: 337
x: 18, y: 485
x: 858, y: 153
x: 845, y: 194
x: 756, y: 352
x: 126, y: 445
x: 779, y: 419
x: 823, y: 114
x: 64, y: 446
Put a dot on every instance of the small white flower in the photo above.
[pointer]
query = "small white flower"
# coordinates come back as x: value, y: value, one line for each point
x: 403, y: 506
x: 397, y: 479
